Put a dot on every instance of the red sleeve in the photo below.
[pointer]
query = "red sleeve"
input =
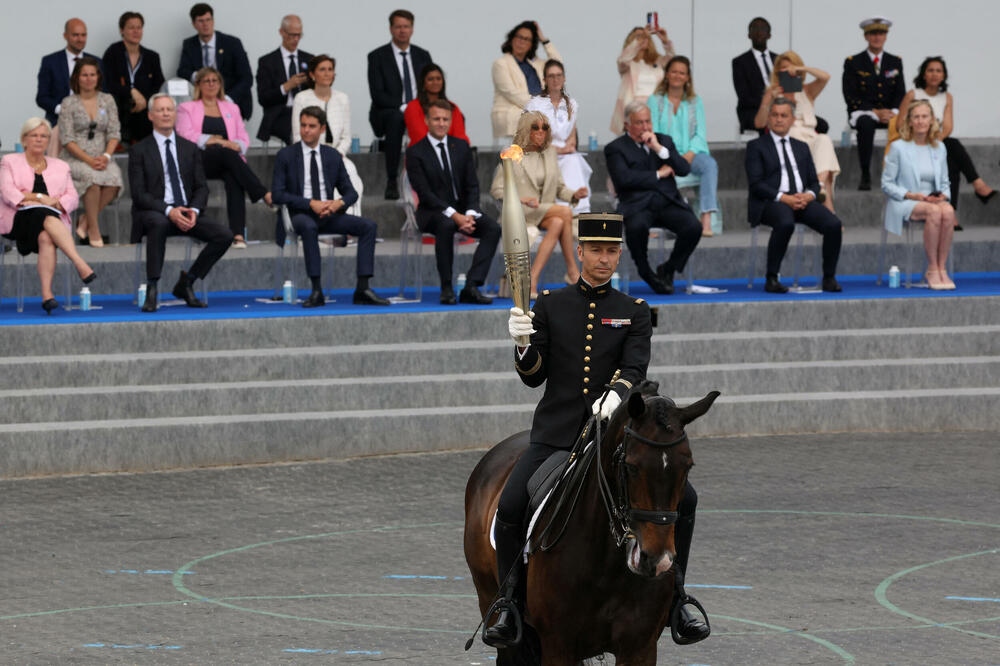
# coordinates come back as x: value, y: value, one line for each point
x: 457, y: 129
x: 416, y: 125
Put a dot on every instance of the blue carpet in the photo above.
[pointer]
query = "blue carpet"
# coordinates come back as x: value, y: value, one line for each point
x: 257, y: 304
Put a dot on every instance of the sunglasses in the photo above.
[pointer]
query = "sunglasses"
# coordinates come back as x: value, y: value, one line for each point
x: 537, y: 128
x: 90, y: 131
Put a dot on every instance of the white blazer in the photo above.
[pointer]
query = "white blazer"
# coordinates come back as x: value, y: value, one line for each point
x: 510, y: 90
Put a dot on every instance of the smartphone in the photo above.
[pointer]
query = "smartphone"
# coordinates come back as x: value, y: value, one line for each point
x: 789, y: 83
x: 935, y: 193
x: 649, y: 19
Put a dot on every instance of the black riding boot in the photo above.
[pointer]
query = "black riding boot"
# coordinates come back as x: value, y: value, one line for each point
x: 685, y: 627
x: 505, y: 632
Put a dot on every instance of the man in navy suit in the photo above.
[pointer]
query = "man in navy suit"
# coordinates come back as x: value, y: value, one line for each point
x: 280, y: 75
x: 392, y: 83
x: 56, y: 68
x: 305, y: 175
x: 211, y: 48
x: 783, y: 191
x: 443, y: 174
x: 169, y: 193
x: 752, y: 72
x: 642, y: 165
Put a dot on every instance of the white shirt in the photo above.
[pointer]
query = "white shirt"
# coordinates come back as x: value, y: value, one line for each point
x: 783, y: 187
x: 285, y: 55
x: 168, y: 190
x: 201, y: 54
x: 413, y: 77
x: 307, y: 162
x: 758, y: 58
x: 449, y: 211
x: 71, y: 59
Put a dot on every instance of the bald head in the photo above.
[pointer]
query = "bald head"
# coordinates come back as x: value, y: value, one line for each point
x: 75, y: 34
x: 291, y: 32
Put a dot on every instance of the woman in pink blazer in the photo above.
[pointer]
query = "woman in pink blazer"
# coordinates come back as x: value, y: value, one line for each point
x: 36, y: 198
x: 214, y: 123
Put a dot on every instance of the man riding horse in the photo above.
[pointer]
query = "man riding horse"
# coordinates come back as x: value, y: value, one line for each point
x: 583, y: 337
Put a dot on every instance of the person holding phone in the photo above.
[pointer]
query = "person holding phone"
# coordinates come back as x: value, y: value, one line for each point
x: 788, y: 81
x: 641, y: 68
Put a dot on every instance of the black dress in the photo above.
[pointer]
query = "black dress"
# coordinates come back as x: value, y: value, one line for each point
x: 28, y: 223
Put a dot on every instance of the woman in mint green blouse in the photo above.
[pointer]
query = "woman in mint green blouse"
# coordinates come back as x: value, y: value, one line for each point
x: 677, y: 112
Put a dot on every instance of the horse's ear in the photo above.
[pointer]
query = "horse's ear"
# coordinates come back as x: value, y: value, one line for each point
x: 636, y: 405
x: 693, y: 411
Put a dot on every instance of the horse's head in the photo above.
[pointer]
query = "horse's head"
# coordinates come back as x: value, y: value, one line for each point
x: 650, y: 466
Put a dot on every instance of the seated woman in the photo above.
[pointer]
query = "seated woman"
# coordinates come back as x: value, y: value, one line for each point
x: 133, y: 74
x: 562, y: 114
x: 538, y: 184
x: 323, y: 72
x: 641, y: 69
x: 430, y: 86
x: 517, y: 75
x: 931, y: 84
x: 804, y: 127
x: 214, y: 123
x: 915, y: 178
x: 89, y: 133
x: 677, y: 112
x: 36, y: 198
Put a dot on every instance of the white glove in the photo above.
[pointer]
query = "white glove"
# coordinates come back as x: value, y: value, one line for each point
x: 611, y: 402
x: 519, y: 323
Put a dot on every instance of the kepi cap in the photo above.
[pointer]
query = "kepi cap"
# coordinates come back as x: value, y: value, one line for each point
x: 601, y: 227
x: 876, y: 24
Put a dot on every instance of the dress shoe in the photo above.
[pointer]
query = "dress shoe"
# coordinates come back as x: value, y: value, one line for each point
x: 368, y: 297
x: 50, y: 305
x: 773, y: 286
x: 315, y: 299
x: 986, y: 197
x: 185, y: 292
x: 866, y: 182
x: 472, y: 295
x: 831, y: 284
x: 448, y: 296
x: 690, y: 628
x: 391, y: 191
x: 666, y: 277
x: 150, y: 304
x: 659, y: 286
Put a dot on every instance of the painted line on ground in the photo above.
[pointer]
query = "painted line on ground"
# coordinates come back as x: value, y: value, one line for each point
x: 147, y: 571
x: 123, y: 646
x: 997, y: 601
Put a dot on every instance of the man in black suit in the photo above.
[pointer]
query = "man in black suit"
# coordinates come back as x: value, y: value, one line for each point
x: 443, y: 174
x: 783, y: 191
x: 56, y: 68
x: 392, y: 83
x: 752, y: 72
x: 280, y: 75
x: 873, y: 89
x: 169, y: 192
x: 305, y: 175
x: 211, y: 48
x: 642, y: 165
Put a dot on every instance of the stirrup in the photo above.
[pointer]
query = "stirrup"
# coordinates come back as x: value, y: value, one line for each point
x: 675, y: 614
x: 500, y: 605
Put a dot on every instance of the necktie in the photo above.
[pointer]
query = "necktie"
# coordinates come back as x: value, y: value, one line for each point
x: 175, y: 179
x: 447, y: 170
x: 792, y: 187
x: 767, y: 69
x: 877, y: 67
x: 206, y: 57
x: 317, y: 193
x: 407, y: 82
x: 292, y: 69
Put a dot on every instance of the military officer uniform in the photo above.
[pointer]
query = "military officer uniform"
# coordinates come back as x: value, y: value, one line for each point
x: 866, y: 86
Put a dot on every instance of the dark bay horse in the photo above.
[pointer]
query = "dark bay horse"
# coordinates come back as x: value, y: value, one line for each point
x: 607, y: 584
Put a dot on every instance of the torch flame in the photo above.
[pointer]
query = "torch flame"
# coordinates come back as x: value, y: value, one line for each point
x: 515, y: 152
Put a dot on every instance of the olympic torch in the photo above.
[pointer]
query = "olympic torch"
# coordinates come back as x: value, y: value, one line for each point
x: 516, y: 252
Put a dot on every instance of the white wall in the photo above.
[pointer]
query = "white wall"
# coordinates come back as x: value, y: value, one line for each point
x: 465, y: 38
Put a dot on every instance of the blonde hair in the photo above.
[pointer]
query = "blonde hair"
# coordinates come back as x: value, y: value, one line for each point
x: 906, y: 132
x: 787, y: 56
x: 33, y: 123
x: 201, y: 74
x: 522, y: 137
x: 664, y: 86
x: 650, y: 55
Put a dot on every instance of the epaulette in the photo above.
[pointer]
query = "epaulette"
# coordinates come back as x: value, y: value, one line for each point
x: 545, y: 292
x: 639, y: 300
x: 850, y: 57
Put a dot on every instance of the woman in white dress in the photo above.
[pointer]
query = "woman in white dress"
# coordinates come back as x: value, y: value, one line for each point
x: 804, y: 129
x: 561, y: 111
x: 323, y: 71
x: 641, y: 68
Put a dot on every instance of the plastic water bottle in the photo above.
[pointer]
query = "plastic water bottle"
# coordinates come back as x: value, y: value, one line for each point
x: 355, y: 144
x: 288, y: 292
x: 140, y: 297
x: 460, y: 282
x: 845, y: 138
x: 592, y: 143
x: 894, y: 277
x: 85, y: 298
x: 616, y: 280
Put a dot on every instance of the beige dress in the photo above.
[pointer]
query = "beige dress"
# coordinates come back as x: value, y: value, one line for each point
x: 804, y: 129
x: 537, y: 175
x: 639, y: 80
x: 74, y: 126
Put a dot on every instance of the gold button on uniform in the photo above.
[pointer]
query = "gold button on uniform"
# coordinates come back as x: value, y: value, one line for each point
x: 586, y: 368
x: 586, y: 380
x: 589, y: 337
x: 593, y: 305
x: 587, y: 348
x: 590, y: 327
x: 590, y: 316
x: 585, y: 391
x: 586, y: 359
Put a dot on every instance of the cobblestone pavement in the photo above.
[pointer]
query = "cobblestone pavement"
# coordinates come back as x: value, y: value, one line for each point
x: 869, y: 549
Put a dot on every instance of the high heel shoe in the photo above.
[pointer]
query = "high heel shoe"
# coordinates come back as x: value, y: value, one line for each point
x: 96, y: 242
x: 50, y: 305
x: 90, y: 278
x: 984, y: 198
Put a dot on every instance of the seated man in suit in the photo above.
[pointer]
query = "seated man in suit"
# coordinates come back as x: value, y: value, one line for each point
x: 280, y: 75
x: 305, y: 175
x: 443, y: 174
x: 211, y: 48
x: 783, y: 191
x: 392, y: 83
x: 56, y: 68
x: 873, y: 88
x: 169, y: 192
x: 642, y: 165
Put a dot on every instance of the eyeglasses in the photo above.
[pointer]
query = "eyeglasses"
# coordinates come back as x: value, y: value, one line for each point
x: 90, y: 131
x: 539, y: 128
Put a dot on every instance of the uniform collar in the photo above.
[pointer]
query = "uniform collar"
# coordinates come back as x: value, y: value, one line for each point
x: 599, y: 291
